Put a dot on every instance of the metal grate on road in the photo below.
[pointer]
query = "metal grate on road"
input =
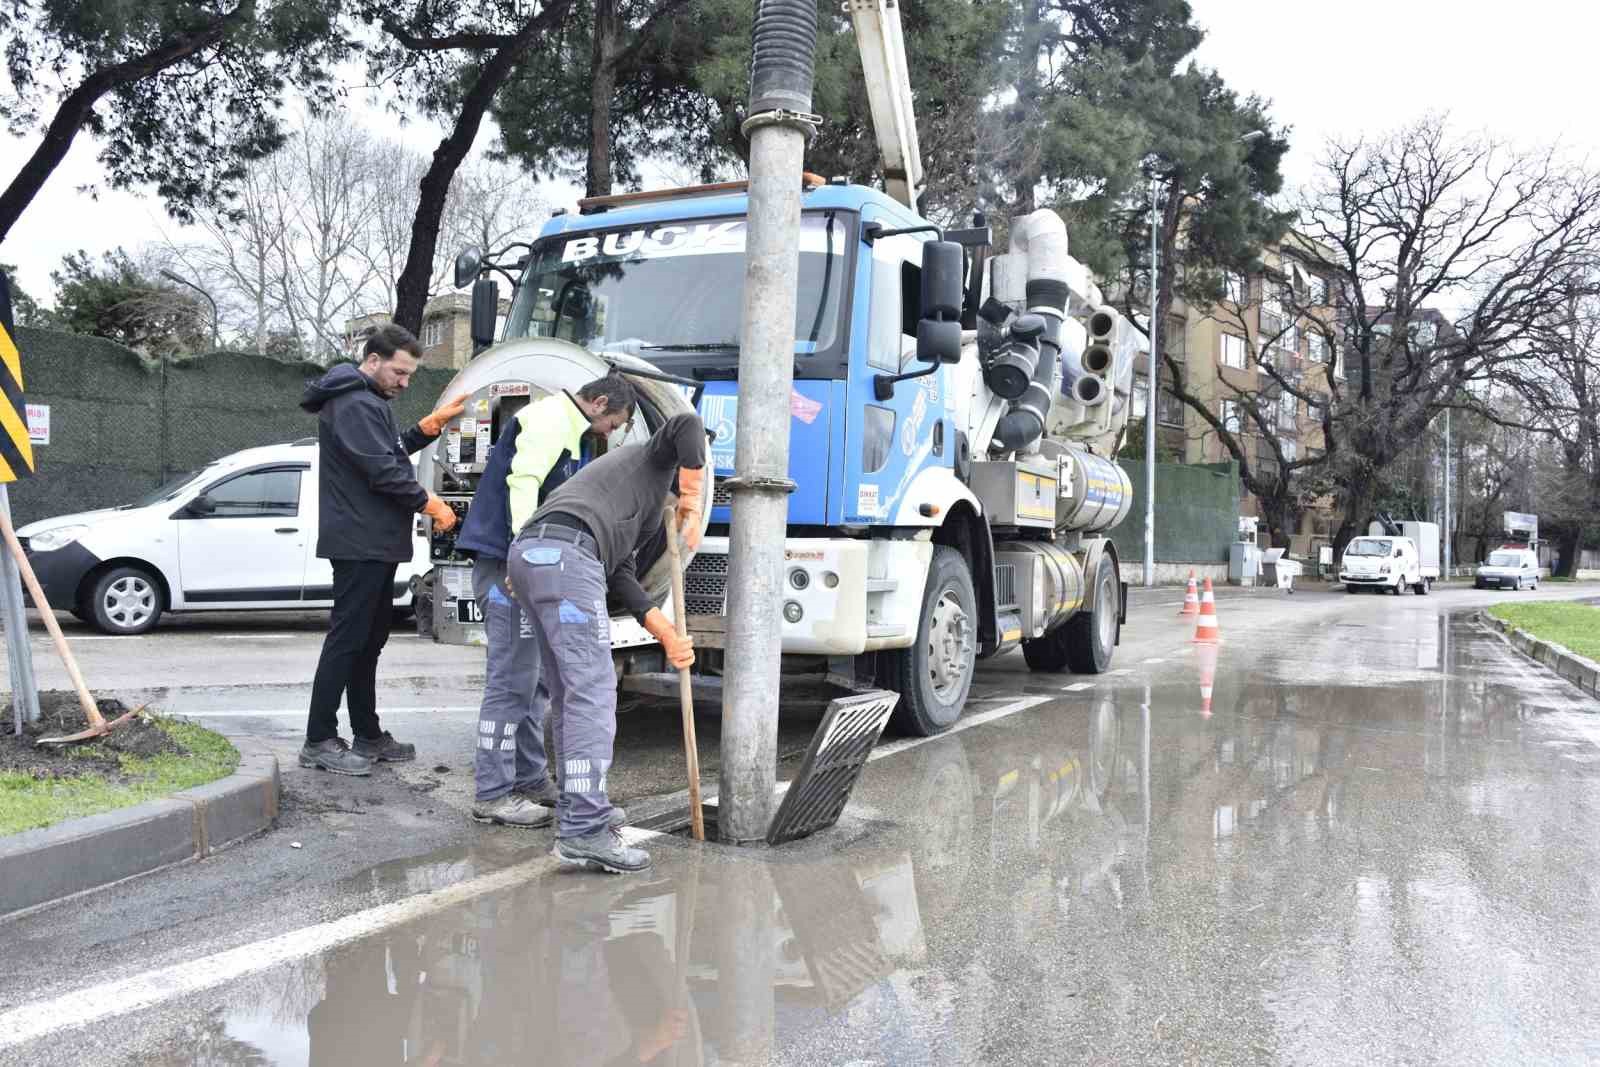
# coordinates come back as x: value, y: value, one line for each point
x: 838, y: 751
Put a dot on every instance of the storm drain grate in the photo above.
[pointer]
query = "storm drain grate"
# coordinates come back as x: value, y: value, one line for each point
x: 839, y: 749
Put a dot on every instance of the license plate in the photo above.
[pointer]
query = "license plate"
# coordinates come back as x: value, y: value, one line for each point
x: 467, y: 611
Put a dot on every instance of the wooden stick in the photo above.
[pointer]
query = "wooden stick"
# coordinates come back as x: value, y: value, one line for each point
x: 691, y: 749
x: 97, y: 722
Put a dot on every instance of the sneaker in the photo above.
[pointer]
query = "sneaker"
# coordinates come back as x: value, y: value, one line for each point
x: 602, y: 850
x: 385, y: 749
x: 334, y: 755
x: 513, y: 809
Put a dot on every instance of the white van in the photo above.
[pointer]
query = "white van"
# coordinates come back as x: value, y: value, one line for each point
x: 1508, y: 567
x: 239, y: 534
x: 1387, y: 563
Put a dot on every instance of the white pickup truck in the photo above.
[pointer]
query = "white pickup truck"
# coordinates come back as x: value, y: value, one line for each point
x: 1393, y: 562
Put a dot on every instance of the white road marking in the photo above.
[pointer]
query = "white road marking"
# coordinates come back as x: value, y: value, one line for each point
x: 1077, y: 687
x: 255, y: 637
x: 84, y: 1007
x: 1152, y: 661
x: 966, y: 722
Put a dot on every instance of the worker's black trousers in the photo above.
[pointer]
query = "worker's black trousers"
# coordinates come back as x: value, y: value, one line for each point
x: 363, y: 606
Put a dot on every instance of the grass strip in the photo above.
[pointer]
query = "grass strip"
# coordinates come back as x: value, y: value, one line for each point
x: 1573, y: 625
x: 27, y: 803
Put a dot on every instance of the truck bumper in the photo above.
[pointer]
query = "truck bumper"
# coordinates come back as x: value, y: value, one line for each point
x: 838, y: 597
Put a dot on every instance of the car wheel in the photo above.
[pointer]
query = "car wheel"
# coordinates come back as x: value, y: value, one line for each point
x: 1350, y: 588
x: 934, y: 675
x: 126, y: 601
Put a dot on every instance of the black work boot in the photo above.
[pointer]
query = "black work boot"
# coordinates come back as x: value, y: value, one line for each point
x: 385, y: 749
x: 334, y: 755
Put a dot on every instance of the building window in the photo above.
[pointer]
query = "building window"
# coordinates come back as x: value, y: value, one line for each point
x: 1266, y: 460
x: 1273, y: 304
x: 1319, y: 290
x: 1230, y: 416
x: 1175, y: 343
x: 1141, y: 394
x: 1316, y: 346
x: 1169, y: 409
x: 1291, y: 450
x: 1289, y: 412
x: 1268, y: 407
x: 1338, y: 361
x: 1233, y: 351
x: 433, y: 333
x: 1234, y: 287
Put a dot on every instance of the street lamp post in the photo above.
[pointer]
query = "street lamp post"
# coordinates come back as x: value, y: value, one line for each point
x: 170, y: 276
x: 1154, y: 376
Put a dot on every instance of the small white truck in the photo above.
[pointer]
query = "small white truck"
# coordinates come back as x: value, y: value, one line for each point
x: 1392, y: 557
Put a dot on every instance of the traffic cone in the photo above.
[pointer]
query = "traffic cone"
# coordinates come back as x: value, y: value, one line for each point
x: 1206, y: 654
x: 1191, y: 598
x: 1205, y: 624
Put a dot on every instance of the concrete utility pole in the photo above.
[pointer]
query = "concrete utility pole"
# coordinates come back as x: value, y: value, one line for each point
x: 1153, y: 378
x: 779, y: 126
x: 1447, y: 538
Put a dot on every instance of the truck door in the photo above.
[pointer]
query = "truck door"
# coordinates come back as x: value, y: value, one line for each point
x: 890, y: 441
x: 242, y: 540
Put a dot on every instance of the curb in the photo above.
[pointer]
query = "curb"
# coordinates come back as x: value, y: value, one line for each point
x: 79, y: 855
x: 1581, y: 672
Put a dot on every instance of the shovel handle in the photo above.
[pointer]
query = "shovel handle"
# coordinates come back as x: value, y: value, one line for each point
x: 691, y: 748
x: 97, y: 722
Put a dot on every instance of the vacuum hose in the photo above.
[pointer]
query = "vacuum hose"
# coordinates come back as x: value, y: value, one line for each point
x: 782, y: 68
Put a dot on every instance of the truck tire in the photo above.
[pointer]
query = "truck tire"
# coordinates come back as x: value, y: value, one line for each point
x: 1091, y: 636
x: 934, y: 675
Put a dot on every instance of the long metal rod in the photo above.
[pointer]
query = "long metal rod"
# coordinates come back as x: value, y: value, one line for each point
x: 1150, y: 403
x: 19, y: 657
x: 1448, y: 538
x: 760, y: 487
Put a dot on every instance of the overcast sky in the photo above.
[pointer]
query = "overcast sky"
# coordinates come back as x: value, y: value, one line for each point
x: 1523, y: 70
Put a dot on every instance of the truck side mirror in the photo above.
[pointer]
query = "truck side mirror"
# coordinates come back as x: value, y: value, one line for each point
x: 939, y: 330
x: 485, y: 312
x: 468, y: 264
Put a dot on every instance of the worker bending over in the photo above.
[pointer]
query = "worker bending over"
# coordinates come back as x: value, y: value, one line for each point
x: 582, y: 542
x: 534, y: 456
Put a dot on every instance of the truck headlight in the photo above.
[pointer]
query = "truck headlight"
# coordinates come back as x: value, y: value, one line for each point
x: 60, y: 537
x: 793, y: 611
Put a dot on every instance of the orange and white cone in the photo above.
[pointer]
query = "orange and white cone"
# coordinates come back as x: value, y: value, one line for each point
x: 1191, y: 598
x: 1206, y: 655
x: 1205, y: 624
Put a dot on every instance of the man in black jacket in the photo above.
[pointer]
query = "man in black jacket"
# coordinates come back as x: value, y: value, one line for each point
x: 366, y: 496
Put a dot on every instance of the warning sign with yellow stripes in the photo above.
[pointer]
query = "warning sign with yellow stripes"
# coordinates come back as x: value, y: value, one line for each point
x: 16, y: 452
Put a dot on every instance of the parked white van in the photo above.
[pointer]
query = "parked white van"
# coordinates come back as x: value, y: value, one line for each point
x: 1513, y: 568
x: 1387, y: 563
x: 238, y: 534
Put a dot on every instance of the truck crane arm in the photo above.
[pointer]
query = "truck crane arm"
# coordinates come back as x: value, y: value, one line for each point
x: 883, y: 64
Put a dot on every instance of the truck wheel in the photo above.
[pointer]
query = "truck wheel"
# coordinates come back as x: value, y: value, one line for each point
x: 1091, y: 636
x: 1348, y: 588
x: 934, y: 675
x: 126, y: 601
x: 1424, y: 586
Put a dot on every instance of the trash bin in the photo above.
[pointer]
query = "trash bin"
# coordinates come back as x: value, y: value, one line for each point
x: 1278, y: 570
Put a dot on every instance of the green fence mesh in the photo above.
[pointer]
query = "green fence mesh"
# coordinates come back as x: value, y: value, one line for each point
x: 120, y: 425
x: 1197, y: 512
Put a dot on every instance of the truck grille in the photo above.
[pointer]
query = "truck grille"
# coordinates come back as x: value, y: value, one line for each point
x: 721, y: 496
x: 1005, y: 585
x: 705, y: 585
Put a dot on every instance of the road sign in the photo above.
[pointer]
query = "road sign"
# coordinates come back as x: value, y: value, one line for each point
x: 16, y: 450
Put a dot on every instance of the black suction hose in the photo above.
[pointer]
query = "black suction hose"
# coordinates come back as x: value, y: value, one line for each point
x: 782, y: 64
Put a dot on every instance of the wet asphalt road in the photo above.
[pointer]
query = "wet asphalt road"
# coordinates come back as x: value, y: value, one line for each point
x: 1377, y: 846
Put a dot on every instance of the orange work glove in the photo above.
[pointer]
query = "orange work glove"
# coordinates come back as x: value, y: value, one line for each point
x: 444, y: 520
x: 691, y: 490
x: 432, y: 424
x: 680, y: 650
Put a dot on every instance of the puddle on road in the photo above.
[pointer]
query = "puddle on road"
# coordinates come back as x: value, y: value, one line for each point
x: 1308, y: 872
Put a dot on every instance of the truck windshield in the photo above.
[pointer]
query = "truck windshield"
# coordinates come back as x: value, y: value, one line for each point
x: 675, y: 291
x: 1367, y: 547
x: 1504, y: 559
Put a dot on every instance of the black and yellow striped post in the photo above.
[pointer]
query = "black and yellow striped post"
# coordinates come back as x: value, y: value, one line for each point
x: 16, y: 461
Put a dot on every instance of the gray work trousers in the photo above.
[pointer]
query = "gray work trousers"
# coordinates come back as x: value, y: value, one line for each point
x: 562, y: 584
x: 510, y: 753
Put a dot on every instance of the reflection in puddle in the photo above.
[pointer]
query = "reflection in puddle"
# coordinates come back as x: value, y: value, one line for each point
x: 1116, y: 864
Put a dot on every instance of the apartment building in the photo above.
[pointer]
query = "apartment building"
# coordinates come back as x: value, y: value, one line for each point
x: 446, y: 330
x: 1270, y: 318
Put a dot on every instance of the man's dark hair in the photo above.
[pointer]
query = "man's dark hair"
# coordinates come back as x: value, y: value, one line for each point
x: 618, y: 391
x: 385, y: 341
